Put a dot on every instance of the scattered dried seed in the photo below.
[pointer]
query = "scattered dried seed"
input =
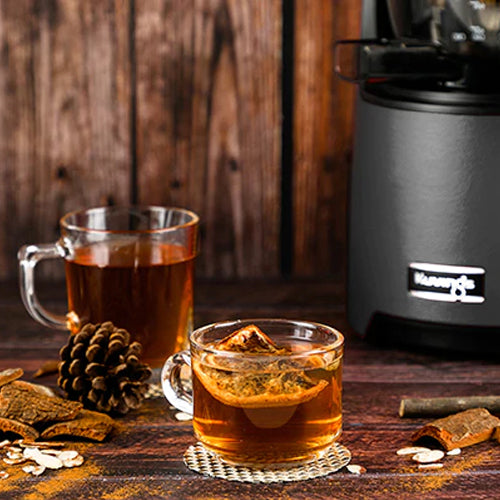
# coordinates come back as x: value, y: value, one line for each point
x: 67, y: 455
x: 412, y: 450
x: 430, y: 466
x: 356, y: 469
x: 425, y: 457
x: 455, y: 451
x: 183, y: 417
x: 3, y: 474
x: 73, y: 462
x: 4, y: 443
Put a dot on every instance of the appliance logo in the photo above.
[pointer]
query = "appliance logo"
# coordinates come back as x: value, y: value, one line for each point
x: 446, y: 283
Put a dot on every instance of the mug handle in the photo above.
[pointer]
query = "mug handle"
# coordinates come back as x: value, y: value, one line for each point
x: 176, y: 387
x: 29, y: 256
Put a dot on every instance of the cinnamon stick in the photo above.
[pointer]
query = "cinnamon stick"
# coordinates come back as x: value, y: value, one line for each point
x: 437, y: 407
x: 462, y: 429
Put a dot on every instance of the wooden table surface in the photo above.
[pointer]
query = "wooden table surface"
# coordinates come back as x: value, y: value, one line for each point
x: 144, y: 457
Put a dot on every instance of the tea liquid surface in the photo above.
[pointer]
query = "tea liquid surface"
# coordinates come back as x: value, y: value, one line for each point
x: 142, y: 286
x: 287, y: 426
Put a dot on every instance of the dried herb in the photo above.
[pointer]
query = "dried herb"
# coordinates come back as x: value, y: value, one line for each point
x: 9, y: 375
x: 22, y: 402
x: 461, y: 429
x: 88, y: 424
x: 15, y: 427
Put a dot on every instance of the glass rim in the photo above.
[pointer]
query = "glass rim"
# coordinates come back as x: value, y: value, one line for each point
x: 327, y: 348
x: 66, y: 225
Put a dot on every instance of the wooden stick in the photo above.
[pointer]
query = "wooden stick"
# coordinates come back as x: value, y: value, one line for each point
x: 436, y: 407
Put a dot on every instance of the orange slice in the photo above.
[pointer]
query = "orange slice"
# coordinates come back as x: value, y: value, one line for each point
x: 224, y: 387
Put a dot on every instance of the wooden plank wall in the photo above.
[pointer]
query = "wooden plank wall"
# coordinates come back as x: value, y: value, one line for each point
x: 180, y: 102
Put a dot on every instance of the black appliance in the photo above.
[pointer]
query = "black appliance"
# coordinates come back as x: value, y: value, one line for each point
x: 424, y: 223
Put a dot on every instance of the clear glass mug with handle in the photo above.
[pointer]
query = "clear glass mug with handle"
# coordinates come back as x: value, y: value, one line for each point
x: 281, y: 407
x: 129, y: 265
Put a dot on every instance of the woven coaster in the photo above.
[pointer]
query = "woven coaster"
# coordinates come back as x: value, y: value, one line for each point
x: 154, y: 391
x: 199, y: 459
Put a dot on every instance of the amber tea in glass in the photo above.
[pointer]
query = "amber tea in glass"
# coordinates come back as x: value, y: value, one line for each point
x: 129, y: 265
x: 263, y: 391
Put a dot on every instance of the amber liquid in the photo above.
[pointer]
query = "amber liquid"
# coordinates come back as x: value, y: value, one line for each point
x: 144, y: 287
x: 278, y: 435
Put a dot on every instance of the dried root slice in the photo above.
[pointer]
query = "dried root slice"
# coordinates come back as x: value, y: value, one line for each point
x: 427, y: 457
x: 73, y: 462
x: 23, y: 402
x: 23, y: 430
x: 430, y: 466
x: 9, y: 375
x: 454, y: 452
x: 462, y: 429
x: 15, y: 461
x: 14, y: 454
x: 183, y: 417
x: 48, y: 461
x: 88, y: 424
x: 66, y: 455
x: 411, y: 450
x: 35, y: 470
x: 356, y: 469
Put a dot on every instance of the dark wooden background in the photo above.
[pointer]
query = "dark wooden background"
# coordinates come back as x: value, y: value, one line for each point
x: 226, y: 107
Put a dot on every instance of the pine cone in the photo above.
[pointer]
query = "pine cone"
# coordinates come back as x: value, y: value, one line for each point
x: 100, y: 368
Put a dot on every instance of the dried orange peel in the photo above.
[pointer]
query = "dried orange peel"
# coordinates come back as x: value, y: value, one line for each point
x: 225, y: 390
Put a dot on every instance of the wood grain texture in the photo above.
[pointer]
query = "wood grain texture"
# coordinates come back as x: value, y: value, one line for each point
x: 64, y: 125
x: 208, y: 124
x: 322, y: 136
x: 143, y: 459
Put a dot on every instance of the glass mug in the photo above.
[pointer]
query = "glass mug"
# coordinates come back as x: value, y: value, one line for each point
x: 129, y: 265
x: 253, y: 408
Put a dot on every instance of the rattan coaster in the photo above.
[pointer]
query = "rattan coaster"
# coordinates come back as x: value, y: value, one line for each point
x: 154, y: 391
x: 199, y: 459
